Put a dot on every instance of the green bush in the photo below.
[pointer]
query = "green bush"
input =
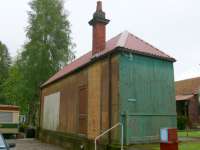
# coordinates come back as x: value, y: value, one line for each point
x: 182, y: 122
x: 22, y: 127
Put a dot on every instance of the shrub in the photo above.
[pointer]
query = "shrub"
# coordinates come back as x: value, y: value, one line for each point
x: 22, y: 127
x: 182, y: 122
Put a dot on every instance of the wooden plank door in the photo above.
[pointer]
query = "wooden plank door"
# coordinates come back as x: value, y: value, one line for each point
x: 83, y: 109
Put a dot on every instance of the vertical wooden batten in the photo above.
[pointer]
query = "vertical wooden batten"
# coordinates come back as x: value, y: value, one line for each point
x: 110, y: 93
x: 94, y: 98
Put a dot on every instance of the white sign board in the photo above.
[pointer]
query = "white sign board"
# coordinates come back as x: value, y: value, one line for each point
x: 164, y: 135
x: 51, y: 111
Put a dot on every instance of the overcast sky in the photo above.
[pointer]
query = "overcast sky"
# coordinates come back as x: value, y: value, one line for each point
x: 173, y: 26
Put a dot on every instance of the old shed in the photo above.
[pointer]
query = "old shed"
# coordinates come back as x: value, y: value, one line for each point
x: 124, y: 79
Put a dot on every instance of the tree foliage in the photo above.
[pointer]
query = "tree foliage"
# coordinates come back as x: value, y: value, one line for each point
x: 14, y: 87
x: 5, y: 62
x: 48, y: 48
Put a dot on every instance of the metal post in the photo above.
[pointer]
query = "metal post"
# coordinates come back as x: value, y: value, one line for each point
x: 122, y: 136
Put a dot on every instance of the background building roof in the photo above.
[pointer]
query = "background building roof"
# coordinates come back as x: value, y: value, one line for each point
x: 184, y: 97
x: 188, y: 86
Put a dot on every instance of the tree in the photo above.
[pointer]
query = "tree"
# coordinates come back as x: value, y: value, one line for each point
x: 13, y: 87
x: 5, y: 62
x: 48, y: 49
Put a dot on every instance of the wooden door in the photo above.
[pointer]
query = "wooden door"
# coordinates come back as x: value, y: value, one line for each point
x: 83, y: 109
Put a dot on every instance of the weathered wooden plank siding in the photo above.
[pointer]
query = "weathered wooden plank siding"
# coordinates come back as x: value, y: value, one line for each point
x: 94, y: 98
x: 115, y: 98
x: 83, y: 110
x: 105, y: 96
x: 96, y: 78
x: 68, y: 88
x: 147, y: 97
x: 113, y: 69
x: 100, y: 96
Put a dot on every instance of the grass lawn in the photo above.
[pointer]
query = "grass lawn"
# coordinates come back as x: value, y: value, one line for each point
x: 189, y: 145
x: 190, y: 134
x: 182, y: 146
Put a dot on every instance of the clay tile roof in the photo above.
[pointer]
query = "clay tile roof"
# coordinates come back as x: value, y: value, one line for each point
x: 70, y: 67
x: 184, y: 97
x: 126, y: 40
x: 188, y: 86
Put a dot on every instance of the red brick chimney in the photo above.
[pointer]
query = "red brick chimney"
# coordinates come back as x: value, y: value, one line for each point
x: 99, y: 23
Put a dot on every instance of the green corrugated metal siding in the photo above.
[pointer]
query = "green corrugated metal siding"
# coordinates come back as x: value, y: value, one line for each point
x: 147, y: 96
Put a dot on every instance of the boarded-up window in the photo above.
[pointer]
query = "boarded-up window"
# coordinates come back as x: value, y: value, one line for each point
x: 51, y: 111
x: 83, y: 112
x: 6, y: 117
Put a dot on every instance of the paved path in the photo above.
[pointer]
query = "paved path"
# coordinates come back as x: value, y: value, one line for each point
x: 32, y: 144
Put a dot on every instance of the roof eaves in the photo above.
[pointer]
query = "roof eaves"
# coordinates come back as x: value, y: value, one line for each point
x: 93, y: 59
x: 106, y: 53
x: 63, y: 76
x: 146, y: 54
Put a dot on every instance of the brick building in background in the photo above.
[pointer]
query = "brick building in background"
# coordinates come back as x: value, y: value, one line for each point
x: 188, y: 99
x: 124, y: 79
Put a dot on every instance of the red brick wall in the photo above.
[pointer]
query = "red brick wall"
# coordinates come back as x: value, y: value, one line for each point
x: 194, y: 110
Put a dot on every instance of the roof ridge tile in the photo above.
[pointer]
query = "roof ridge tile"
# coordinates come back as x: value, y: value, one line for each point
x: 123, y: 39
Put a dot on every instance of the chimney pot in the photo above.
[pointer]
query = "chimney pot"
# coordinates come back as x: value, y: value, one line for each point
x: 99, y: 6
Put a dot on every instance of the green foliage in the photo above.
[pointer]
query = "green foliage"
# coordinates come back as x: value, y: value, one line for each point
x: 46, y: 51
x: 14, y: 87
x: 22, y: 127
x: 5, y: 62
x: 48, y: 48
x: 182, y: 122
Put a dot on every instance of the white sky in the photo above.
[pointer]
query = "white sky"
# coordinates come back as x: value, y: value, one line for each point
x: 173, y: 26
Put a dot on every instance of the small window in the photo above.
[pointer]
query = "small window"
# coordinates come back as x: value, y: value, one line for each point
x: 6, y: 117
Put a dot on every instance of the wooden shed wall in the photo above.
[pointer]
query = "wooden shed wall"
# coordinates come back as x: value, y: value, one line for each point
x: 98, y: 97
x: 94, y: 98
x: 147, y: 96
x: 68, y: 88
x: 96, y: 78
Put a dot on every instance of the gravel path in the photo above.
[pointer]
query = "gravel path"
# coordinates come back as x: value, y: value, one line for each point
x: 32, y: 144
